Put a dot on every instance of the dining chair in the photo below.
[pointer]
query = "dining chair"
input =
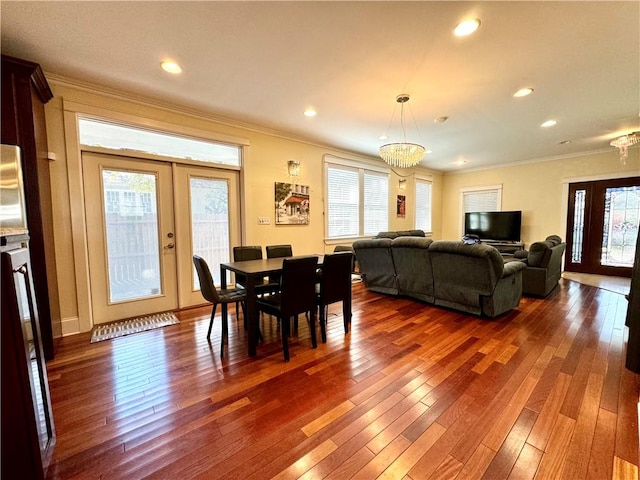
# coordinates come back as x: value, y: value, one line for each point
x: 275, y: 251
x: 334, y: 286
x: 278, y: 251
x: 217, y: 296
x: 252, y: 252
x: 297, y: 295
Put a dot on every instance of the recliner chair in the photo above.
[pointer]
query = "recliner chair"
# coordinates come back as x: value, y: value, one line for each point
x: 544, y: 266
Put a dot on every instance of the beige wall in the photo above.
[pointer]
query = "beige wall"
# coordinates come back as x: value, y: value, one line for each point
x: 538, y: 189
x: 265, y: 162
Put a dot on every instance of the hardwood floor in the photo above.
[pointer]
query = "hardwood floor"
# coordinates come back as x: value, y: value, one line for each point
x: 412, y: 392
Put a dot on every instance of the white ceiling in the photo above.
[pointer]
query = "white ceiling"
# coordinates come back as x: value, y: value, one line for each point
x: 263, y: 63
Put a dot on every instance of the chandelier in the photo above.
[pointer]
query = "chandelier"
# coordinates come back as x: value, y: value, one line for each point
x: 402, y: 154
x: 624, y: 142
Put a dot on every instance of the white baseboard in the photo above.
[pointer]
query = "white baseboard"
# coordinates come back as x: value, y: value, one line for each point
x: 70, y: 326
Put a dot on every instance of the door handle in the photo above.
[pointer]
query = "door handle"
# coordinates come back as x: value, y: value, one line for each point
x: 171, y: 245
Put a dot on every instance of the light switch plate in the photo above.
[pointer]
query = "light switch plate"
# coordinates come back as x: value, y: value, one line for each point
x: 264, y: 221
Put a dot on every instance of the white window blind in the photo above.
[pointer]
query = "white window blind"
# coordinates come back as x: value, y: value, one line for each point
x: 423, y: 205
x: 482, y: 201
x: 376, y: 202
x: 343, y: 201
x: 357, y: 199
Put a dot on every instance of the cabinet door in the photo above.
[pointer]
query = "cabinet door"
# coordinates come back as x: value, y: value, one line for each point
x: 26, y: 403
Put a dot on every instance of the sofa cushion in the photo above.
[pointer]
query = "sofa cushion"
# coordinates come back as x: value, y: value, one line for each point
x: 413, y: 267
x: 555, y: 239
x: 376, y: 265
x: 461, y: 270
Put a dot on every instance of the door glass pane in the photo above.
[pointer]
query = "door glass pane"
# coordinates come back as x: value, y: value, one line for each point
x: 621, y: 217
x: 209, y: 224
x: 578, y: 226
x: 133, y: 252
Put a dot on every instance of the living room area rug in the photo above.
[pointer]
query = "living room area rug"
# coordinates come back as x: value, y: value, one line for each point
x: 132, y: 325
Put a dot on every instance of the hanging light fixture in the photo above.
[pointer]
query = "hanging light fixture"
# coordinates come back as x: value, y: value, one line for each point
x: 624, y: 142
x: 402, y: 154
x: 293, y: 167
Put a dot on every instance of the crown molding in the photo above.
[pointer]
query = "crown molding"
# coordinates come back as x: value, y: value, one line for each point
x: 89, y: 87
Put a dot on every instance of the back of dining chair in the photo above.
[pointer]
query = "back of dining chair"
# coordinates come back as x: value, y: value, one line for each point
x: 207, y: 287
x: 298, y: 286
x: 247, y: 252
x: 276, y: 251
x: 298, y: 295
x: 335, y: 286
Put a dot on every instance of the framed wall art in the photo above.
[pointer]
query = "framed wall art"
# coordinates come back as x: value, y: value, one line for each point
x: 292, y: 204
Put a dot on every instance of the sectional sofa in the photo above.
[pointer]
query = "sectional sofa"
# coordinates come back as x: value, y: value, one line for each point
x: 469, y: 278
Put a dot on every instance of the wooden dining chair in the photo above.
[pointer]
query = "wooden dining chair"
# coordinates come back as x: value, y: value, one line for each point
x: 297, y: 295
x: 217, y: 296
x: 334, y: 286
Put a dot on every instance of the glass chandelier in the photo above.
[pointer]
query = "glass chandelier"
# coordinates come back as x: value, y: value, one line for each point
x: 624, y: 142
x: 402, y: 154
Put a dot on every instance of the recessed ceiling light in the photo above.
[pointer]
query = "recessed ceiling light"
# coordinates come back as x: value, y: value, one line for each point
x: 565, y: 142
x: 441, y: 119
x: 310, y: 112
x: 467, y: 27
x: 523, y: 92
x: 429, y: 151
x: 549, y: 123
x: 382, y: 137
x: 171, y: 67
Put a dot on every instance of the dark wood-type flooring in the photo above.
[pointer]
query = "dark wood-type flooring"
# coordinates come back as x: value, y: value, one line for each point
x: 413, y: 392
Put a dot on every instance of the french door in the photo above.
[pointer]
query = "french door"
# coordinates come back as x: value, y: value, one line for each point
x: 145, y: 220
x: 602, y: 226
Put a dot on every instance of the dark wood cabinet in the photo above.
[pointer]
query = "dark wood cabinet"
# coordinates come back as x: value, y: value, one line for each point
x: 24, y: 93
x: 28, y: 432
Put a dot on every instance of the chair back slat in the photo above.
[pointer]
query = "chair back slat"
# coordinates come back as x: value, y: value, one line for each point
x: 298, y: 285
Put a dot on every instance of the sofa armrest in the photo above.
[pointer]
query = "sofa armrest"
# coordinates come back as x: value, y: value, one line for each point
x: 511, y: 268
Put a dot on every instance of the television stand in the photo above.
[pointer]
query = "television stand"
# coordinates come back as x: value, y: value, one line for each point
x: 505, y: 248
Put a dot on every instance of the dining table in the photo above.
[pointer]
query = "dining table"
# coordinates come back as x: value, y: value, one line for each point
x: 254, y: 271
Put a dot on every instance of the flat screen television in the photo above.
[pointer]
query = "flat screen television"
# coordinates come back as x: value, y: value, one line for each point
x: 500, y: 226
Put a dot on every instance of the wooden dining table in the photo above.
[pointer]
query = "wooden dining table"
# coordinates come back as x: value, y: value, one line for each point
x: 254, y: 271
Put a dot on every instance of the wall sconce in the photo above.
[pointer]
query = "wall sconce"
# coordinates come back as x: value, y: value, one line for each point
x: 293, y: 166
x: 402, y: 184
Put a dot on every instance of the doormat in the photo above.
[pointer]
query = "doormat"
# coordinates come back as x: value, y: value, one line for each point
x: 134, y: 325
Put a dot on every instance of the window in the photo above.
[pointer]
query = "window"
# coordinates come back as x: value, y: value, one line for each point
x: 376, y: 202
x: 480, y: 199
x: 357, y: 199
x: 423, y: 205
x: 94, y: 133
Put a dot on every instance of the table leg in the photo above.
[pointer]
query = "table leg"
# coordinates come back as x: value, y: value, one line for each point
x: 252, y: 315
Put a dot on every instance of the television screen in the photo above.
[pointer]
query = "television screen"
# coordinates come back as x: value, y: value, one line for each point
x: 503, y: 226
